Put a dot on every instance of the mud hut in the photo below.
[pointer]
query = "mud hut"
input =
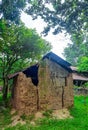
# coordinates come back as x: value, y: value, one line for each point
x: 47, y: 85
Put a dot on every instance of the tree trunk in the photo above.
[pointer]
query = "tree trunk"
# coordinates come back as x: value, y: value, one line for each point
x: 5, y: 89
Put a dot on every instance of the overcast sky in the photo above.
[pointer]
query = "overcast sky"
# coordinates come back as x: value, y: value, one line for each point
x: 59, y: 42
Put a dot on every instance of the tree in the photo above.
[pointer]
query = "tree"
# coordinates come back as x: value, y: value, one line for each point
x: 20, y: 45
x: 70, y: 15
x: 72, y: 53
x: 10, y: 10
x: 75, y: 52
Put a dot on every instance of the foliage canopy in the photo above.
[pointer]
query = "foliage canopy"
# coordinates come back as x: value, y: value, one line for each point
x: 69, y: 15
x: 77, y: 53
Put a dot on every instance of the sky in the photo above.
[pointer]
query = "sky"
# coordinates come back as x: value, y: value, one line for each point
x: 58, y: 42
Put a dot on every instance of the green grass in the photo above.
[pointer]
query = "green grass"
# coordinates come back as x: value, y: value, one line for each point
x: 5, y: 117
x: 78, y: 122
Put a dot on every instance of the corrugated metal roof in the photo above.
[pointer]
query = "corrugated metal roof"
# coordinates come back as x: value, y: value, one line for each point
x: 31, y: 71
x: 53, y: 57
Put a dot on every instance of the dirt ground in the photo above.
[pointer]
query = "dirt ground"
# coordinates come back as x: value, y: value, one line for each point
x: 56, y: 114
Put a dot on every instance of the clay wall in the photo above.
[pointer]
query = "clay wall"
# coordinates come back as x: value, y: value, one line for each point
x: 55, y: 86
x: 25, y: 96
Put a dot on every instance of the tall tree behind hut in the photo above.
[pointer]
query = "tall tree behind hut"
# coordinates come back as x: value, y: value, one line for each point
x: 20, y: 47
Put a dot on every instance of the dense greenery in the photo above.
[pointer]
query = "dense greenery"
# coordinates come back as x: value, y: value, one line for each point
x: 20, y: 47
x: 10, y: 10
x: 74, y: 53
x: 79, y: 121
x: 83, y: 64
x: 70, y: 15
x: 77, y: 52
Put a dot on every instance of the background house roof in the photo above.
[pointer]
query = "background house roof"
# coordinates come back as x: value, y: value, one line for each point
x: 79, y: 77
x: 74, y: 69
x: 53, y: 57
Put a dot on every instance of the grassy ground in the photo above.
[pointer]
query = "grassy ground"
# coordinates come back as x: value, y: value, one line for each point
x: 78, y: 122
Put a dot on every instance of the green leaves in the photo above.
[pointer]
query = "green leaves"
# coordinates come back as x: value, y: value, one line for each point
x: 21, y: 47
x: 83, y: 64
x: 69, y: 15
x: 78, y: 49
x: 11, y: 10
x: 21, y: 42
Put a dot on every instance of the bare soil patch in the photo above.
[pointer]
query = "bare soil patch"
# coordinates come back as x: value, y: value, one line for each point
x: 56, y: 114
